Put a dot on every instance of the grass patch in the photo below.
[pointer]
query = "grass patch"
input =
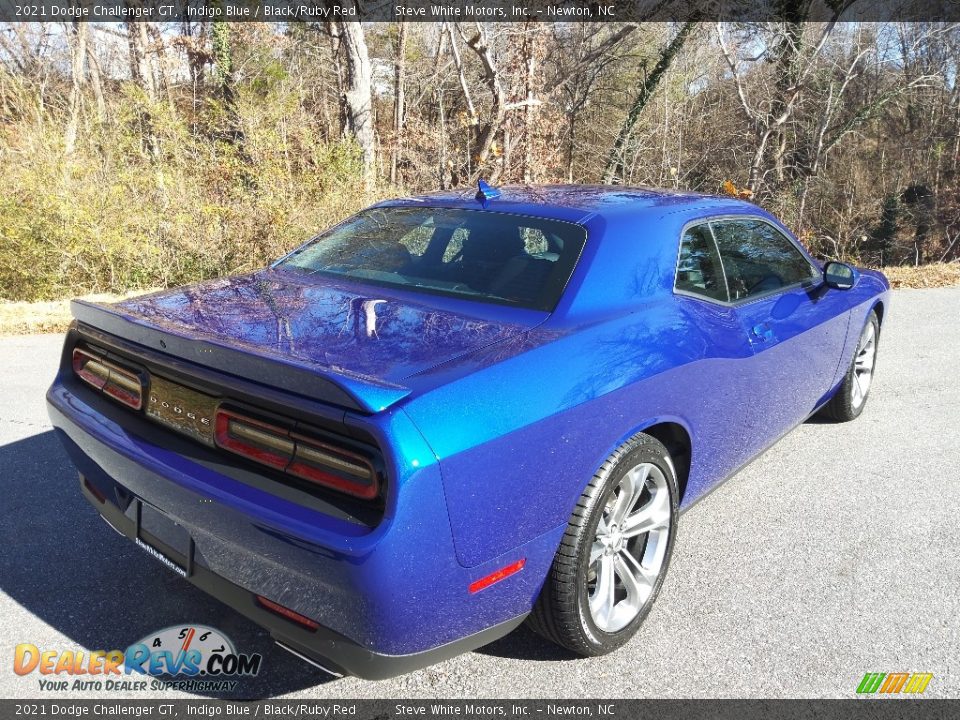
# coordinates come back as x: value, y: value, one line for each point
x: 50, y: 316
x: 925, y: 276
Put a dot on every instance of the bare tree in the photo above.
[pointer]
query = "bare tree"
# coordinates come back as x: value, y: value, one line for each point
x: 78, y: 42
x: 580, y: 55
x: 785, y: 45
x: 399, y: 98
x: 614, y: 168
x: 93, y: 67
x: 531, y: 50
x: 358, y: 90
x: 479, y: 42
x: 141, y: 67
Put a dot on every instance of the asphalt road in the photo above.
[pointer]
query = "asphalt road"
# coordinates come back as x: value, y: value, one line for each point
x: 834, y: 554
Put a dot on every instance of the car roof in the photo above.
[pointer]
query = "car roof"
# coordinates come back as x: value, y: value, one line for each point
x: 577, y: 203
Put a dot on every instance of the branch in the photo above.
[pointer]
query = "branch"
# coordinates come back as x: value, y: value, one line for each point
x: 479, y: 44
x: 867, y: 111
x: 455, y: 53
x: 533, y: 102
x: 751, y: 115
x: 593, y: 56
x: 615, y: 159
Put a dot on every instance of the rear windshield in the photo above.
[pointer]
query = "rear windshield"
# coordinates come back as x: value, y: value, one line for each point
x: 480, y: 255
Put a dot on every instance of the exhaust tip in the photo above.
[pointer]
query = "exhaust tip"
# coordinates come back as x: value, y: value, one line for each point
x: 309, y: 660
x: 112, y: 526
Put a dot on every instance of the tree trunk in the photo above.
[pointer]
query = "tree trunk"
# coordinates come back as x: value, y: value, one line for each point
x: 491, y: 76
x: 531, y: 40
x: 195, y: 59
x: 78, y: 32
x: 223, y: 74
x: 161, y: 65
x: 141, y: 69
x: 93, y: 65
x: 399, y: 82
x: 142, y: 73
x: 443, y: 171
x: 614, y: 167
x: 787, y: 88
x: 455, y: 54
x: 358, y: 91
x: 222, y: 61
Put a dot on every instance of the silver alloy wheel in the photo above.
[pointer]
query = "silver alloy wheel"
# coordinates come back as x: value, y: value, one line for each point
x: 863, y: 364
x: 629, y: 548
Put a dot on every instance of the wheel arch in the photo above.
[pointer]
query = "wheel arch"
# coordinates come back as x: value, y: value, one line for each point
x: 676, y: 437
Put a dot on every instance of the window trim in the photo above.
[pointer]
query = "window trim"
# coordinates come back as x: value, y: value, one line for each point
x: 812, y: 283
x: 676, y: 265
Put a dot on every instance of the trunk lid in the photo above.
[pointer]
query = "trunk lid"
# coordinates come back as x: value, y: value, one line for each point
x: 347, y: 344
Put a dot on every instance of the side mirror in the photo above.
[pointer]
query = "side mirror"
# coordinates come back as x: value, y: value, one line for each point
x: 839, y: 275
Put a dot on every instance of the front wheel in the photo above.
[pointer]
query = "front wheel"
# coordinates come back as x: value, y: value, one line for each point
x: 614, y: 554
x: 851, y: 396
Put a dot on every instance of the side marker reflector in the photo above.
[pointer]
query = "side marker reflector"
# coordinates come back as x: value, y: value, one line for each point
x: 287, y: 613
x: 497, y: 576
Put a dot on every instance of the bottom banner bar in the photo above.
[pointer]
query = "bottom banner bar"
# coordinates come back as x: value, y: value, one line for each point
x: 852, y: 709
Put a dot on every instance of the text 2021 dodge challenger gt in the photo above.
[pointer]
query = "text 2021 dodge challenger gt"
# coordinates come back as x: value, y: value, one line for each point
x: 454, y: 412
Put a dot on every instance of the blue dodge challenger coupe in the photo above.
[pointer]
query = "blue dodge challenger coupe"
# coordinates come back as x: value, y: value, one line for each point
x: 455, y: 412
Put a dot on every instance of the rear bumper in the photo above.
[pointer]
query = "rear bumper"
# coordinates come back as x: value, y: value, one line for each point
x: 389, y: 599
x: 330, y: 650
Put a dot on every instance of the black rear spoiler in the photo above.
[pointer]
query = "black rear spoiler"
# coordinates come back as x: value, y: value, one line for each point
x: 324, y: 384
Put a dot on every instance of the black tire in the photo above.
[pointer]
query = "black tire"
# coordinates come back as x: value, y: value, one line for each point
x: 844, y: 406
x: 562, y: 612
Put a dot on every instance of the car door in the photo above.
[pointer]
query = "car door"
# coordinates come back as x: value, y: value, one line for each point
x: 795, y: 325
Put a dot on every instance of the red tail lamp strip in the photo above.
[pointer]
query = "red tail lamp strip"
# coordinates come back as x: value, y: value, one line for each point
x: 287, y: 613
x: 312, y: 456
x: 90, y: 368
x: 497, y: 576
x: 251, y: 438
x: 125, y: 387
x: 296, y: 454
x: 122, y: 385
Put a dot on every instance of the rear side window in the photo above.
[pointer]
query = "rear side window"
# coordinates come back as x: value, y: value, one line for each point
x: 480, y: 255
x: 699, y: 271
x: 758, y: 258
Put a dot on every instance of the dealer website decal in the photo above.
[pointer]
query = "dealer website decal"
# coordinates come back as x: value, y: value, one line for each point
x: 194, y: 658
x: 894, y: 683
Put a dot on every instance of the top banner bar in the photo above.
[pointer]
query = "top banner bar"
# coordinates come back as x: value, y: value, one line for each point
x: 479, y: 10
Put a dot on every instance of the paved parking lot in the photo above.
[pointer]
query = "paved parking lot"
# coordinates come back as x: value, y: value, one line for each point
x: 834, y: 554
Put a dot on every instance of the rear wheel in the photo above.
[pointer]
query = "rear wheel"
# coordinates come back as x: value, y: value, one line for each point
x: 851, y: 396
x: 614, y: 554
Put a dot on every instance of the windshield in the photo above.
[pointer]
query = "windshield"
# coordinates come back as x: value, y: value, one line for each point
x: 480, y: 255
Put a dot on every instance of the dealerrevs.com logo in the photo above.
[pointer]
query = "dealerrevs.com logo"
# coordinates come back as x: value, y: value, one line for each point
x: 894, y: 683
x: 194, y: 658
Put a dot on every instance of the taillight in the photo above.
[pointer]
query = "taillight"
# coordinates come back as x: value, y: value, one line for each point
x: 125, y: 386
x: 90, y: 369
x: 297, y: 454
x: 254, y: 439
x: 337, y: 468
